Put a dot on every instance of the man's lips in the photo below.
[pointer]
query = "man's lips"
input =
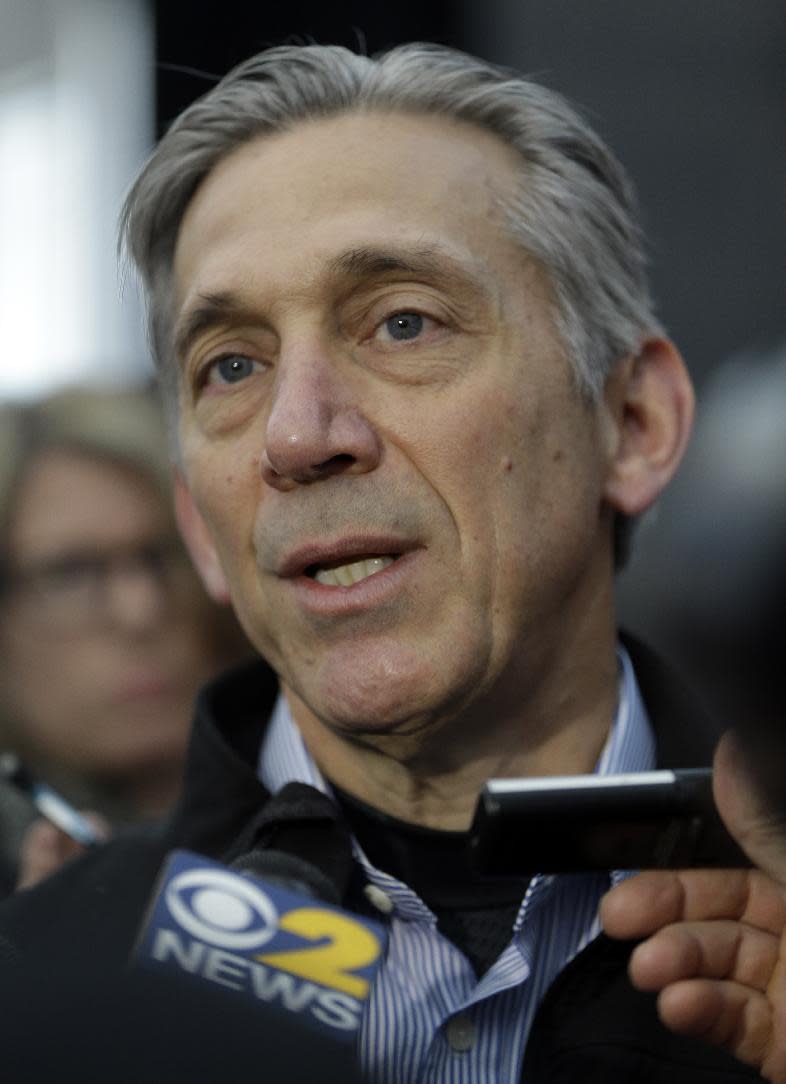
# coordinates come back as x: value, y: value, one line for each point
x: 313, y: 558
x: 353, y: 588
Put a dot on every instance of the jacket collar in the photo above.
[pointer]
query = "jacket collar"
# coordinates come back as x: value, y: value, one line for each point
x: 684, y: 734
x: 222, y: 790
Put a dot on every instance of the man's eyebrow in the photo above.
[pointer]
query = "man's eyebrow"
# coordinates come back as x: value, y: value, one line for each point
x: 211, y: 310
x: 428, y: 262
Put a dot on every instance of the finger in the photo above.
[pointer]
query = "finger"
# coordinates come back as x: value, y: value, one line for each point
x: 760, y: 831
x: 714, y: 950
x: 724, y: 1013
x: 103, y: 828
x: 643, y: 904
x: 44, y: 849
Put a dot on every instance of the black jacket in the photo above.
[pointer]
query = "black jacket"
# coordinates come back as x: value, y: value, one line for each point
x: 65, y: 942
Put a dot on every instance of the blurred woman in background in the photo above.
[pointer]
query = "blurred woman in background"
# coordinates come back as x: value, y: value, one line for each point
x: 105, y: 631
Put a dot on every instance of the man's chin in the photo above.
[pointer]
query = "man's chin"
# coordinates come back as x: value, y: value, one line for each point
x: 400, y: 729
x: 359, y: 718
x: 387, y: 690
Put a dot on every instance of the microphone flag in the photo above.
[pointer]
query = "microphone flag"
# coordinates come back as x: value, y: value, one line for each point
x: 233, y: 930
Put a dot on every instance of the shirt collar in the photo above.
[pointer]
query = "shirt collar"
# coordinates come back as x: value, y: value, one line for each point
x: 283, y: 757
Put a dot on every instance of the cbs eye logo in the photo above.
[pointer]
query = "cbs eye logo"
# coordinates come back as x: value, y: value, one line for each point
x: 222, y: 908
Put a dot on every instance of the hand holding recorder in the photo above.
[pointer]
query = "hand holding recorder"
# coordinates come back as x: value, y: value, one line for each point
x: 716, y: 939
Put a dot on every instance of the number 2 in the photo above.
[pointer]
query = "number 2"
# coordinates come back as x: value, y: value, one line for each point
x: 351, y: 946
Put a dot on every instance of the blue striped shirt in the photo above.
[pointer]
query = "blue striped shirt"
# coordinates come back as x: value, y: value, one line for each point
x: 429, y: 1019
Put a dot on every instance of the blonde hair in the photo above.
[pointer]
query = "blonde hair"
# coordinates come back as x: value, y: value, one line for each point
x: 124, y: 427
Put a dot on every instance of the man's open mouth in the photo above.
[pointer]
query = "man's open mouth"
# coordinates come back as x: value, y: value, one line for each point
x: 346, y: 573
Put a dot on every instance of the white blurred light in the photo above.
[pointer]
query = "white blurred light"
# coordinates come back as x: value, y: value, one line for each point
x: 76, y: 119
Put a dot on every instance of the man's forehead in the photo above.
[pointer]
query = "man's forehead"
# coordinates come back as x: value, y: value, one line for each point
x: 422, y: 157
x: 366, y: 264
x: 410, y: 199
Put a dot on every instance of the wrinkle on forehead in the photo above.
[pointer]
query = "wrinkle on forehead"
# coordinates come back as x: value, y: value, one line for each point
x: 424, y: 148
x: 361, y: 264
x: 429, y: 203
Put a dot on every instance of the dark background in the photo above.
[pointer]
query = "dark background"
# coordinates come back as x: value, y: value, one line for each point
x: 213, y: 37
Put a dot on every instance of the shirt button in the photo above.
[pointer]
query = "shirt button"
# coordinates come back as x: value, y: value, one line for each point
x: 379, y: 899
x: 460, y: 1033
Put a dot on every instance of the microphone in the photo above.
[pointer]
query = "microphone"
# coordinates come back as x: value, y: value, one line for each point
x: 244, y: 971
x: 268, y: 926
x: 300, y: 842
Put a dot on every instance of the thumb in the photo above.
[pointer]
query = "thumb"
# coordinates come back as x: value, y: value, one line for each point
x: 758, y: 828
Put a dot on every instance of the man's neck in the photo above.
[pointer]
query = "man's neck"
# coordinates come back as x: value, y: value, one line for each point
x: 432, y: 777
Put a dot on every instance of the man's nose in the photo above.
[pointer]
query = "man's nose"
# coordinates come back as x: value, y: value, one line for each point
x: 316, y: 427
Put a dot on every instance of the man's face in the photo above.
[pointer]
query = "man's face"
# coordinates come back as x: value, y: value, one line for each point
x: 401, y: 488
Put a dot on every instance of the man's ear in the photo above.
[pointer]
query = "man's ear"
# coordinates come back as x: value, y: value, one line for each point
x: 649, y: 409
x: 198, y: 541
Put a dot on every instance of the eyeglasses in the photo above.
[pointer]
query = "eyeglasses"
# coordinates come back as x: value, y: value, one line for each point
x: 75, y: 591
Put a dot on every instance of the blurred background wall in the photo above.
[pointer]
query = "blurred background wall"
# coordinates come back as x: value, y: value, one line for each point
x: 691, y: 96
x: 76, y: 117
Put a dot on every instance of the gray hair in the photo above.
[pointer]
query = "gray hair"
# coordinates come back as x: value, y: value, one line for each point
x: 574, y: 214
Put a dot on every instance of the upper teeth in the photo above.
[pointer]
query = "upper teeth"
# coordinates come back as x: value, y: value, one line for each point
x: 346, y: 575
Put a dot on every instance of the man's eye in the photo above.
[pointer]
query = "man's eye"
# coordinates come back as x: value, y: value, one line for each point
x: 404, y: 326
x: 231, y: 369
